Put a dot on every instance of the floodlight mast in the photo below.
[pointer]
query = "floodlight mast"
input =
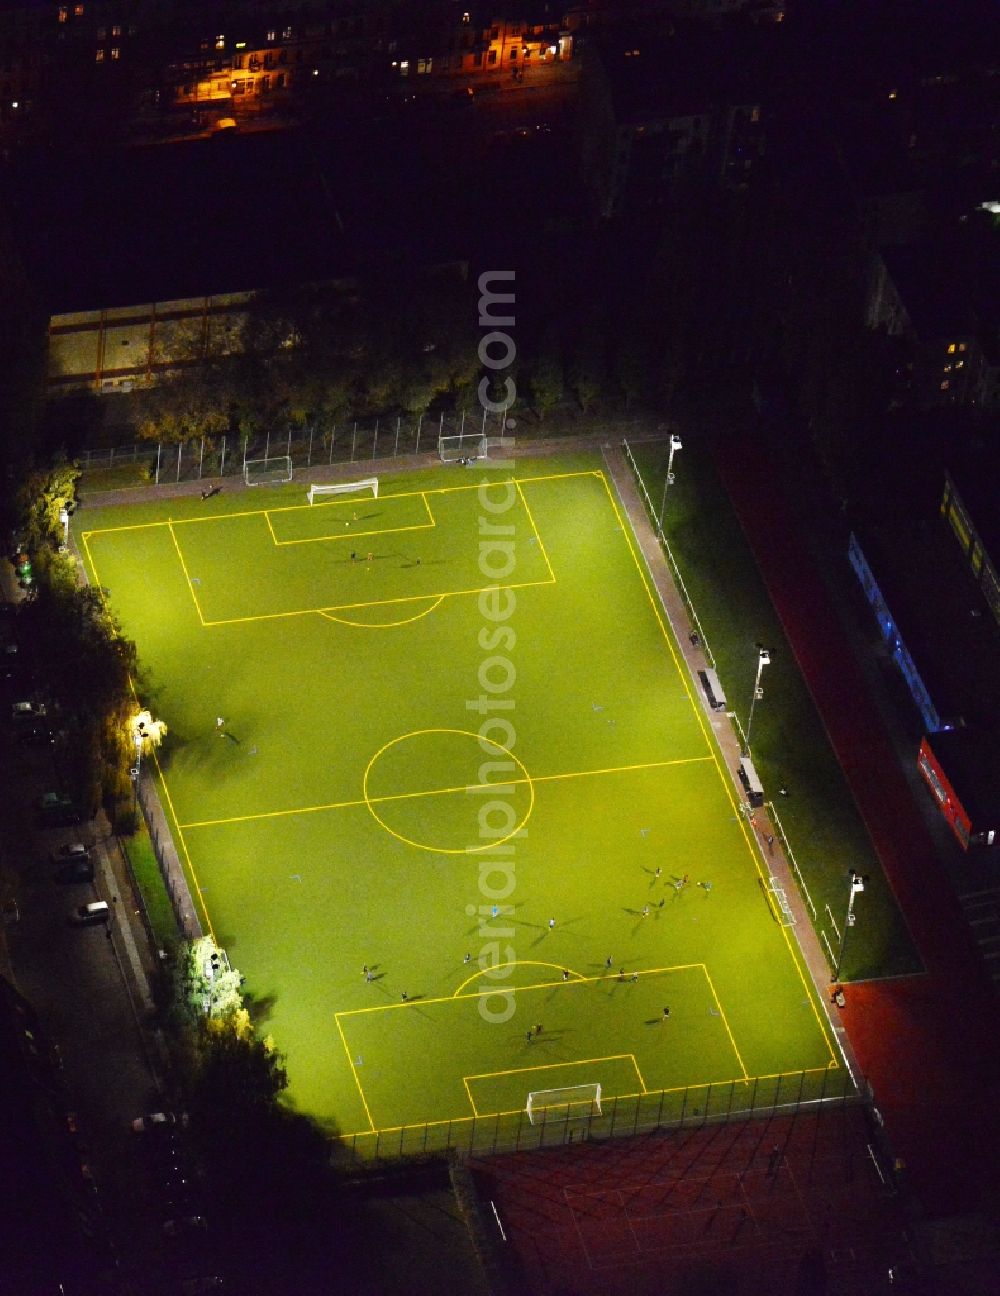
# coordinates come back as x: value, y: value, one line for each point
x: 763, y: 659
x: 675, y: 445
x: 857, y: 886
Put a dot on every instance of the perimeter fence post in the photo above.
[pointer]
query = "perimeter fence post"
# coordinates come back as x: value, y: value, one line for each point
x: 180, y: 447
x: 222, y: 457
x: 420, y: 419
x: 354, y: 439
x: 309, y: 452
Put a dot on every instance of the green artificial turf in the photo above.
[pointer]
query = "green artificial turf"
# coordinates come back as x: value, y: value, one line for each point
x: 820, y: 819
x: 347, y: 814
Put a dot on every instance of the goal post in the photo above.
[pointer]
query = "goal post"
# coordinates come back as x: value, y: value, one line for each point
x: 464, y: 447
x: 574, y: 1102
x: 461, y: 447
x: 343, y: 488
x: 265, y: 472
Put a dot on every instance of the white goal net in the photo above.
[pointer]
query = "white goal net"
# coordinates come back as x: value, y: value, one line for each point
x: 264, y: 472
x: 575, y: 1102
x: 343, y: 488
x: 465, y: 447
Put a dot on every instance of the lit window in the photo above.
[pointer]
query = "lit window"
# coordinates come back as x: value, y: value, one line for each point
x: 892, y: 94
x: 116, y: 53
x: 947, y: 368
x: 404, y: 67
x: 951, y: 348
x: 100, y: 56
x: 78, y: 11
x: 63, y: 13
x: 755, y: 114
x: 465, y: 17
x: 220, y: 42
x: 241, y: 44
x: 116, y: 30
x: 961, y: 346
x: 959, y: 363
x: 286, y: 33
x: 945, y: 385
x: 270, y: 34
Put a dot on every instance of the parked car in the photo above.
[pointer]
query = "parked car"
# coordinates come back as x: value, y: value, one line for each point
x: 23, y: 711
x: 98, y: 911
x: 56, y: 810
x: 81, y: 870
x: 70, y: 851
x: 158, y: 1120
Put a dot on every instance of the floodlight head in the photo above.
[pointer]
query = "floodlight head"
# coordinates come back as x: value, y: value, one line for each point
x: 857, y: 882
x: 675, y: 442
x: 764, y: 657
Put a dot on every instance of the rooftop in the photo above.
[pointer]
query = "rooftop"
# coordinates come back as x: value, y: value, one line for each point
x: 657, y: 73
x: 942, y: 617
x: 971, y: 760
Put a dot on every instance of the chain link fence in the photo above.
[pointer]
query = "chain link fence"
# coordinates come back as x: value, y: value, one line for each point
x: 165, y: 462
x: 668, y: 1109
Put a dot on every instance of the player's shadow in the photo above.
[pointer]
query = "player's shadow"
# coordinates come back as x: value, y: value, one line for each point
x: 767, y: 899
x: 500, y: 917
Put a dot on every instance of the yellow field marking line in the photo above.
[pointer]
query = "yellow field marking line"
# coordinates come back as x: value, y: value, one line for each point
x: 468, y: 1094
x: 558, y: 1066
x: 290, y: 508
x: 429, y: 525
x: 515, y: 990
x: 183, y: 845
x: 574, y: 976
x: 347, y: 607
x: 354, y: 1073
x: 432, y: 792
x: 723, y: 773
x: 187, y: 576
x: 722, y: 1014
x: 388, y: 625
x: 538, y: 534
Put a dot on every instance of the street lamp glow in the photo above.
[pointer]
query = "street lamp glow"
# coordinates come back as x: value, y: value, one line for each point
x: 675, y: 445
x: 146, y: 733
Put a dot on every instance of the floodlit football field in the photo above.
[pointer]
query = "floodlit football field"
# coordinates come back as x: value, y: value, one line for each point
x: 460, y: 694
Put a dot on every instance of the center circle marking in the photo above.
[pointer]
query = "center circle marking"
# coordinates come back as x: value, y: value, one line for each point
x: 494, y: 747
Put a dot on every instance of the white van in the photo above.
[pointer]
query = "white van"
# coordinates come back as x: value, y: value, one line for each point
x: 98, y: 911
